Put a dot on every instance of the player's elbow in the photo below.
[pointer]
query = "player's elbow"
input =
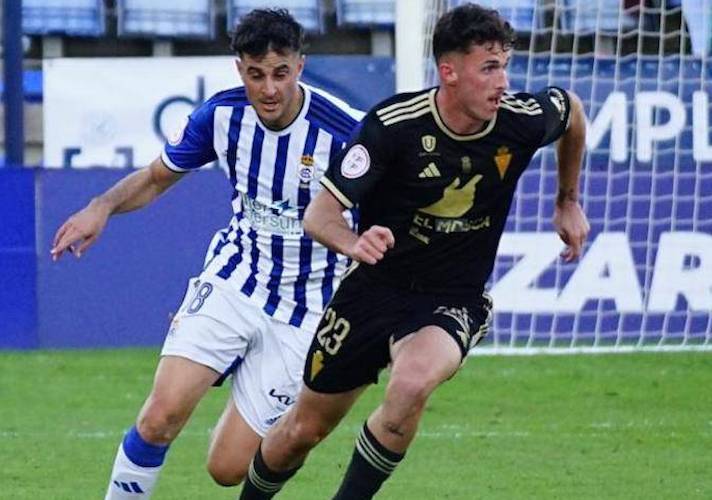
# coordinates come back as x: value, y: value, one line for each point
x: 577, y: 123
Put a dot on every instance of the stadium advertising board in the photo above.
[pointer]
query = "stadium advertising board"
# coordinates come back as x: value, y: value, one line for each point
x: 646, y: 274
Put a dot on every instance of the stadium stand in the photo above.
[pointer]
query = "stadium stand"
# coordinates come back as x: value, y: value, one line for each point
x: 307, y: 12
x: 365, y: 12
x: 166, y: 18
x: 520, y: 13
x: 63, y: 17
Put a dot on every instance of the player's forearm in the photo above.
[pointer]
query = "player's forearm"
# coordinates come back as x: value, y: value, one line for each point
x: 135, y: 190
x: 324, y: 222
x: 570, y: 150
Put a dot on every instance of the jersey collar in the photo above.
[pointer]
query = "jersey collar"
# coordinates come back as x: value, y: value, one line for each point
x: 300, y: 116
x: 450, y: 133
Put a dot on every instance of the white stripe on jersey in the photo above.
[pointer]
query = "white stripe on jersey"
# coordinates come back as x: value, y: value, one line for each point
x: 269, y: 207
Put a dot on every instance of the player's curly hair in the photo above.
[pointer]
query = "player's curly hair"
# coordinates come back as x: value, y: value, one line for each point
x: 458, y: 29
x: 262, y: 30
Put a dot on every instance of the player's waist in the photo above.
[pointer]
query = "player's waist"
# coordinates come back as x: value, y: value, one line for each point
x: 434, y: 281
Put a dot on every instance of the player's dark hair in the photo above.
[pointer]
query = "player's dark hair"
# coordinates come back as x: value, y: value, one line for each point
x: 262, y: 30
x: 458, y: 29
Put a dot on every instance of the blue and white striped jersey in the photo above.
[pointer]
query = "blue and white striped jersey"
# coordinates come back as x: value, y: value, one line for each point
x: 264, y: 252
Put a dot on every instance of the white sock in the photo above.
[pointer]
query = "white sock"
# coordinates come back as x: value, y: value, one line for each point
x: 128, y: 479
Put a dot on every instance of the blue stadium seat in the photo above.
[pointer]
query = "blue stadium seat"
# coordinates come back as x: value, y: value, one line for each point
x: 306, y: 12
x: 166, y: 18
x: 366, y: 12
x: 587, y: 17
x: 63, y: 17
x: 519, y: 13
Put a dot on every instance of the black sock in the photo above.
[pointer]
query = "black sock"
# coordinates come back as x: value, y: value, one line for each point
x: 371, y: 464
x: 262, y: 482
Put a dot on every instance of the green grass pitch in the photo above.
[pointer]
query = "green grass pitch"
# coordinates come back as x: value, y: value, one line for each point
x: 633, y: 426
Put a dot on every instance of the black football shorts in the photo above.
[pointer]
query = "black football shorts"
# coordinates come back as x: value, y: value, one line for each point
x: 352, y: 342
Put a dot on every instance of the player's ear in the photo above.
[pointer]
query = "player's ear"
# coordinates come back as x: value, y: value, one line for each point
x: 447, y: 71
x: 300, y: 65
x: 238, y: 65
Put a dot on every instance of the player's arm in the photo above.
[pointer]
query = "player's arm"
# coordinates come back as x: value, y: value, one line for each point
x: 569, y: 218
x: 130, y: 193
x: 352, y: 174
x: 323, y: 221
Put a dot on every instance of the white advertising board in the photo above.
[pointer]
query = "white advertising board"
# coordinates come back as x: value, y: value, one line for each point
x: 117, y: 112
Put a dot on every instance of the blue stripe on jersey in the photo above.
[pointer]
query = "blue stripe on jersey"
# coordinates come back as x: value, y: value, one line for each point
x: 220, y: 245
x: 280, y: 167
x: 251, y: 282
x: 304, y: 195
x: 275, y: 275
x: 321, y: 117
x: 255, y: 160
x: 327, y: 284
x: 236, y: 258
x: 300, y: 289
x: 355, y: 216
x: 233, y: 136
x: 305, y: 244
x: 338, y: 115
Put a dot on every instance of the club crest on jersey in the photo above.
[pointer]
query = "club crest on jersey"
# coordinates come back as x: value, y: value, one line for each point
x: 306, y: 169
x: 502, y: 159
x: 356, y: 162
x: 466, y: 164
x: 178, y: 133
x: 429, y: 142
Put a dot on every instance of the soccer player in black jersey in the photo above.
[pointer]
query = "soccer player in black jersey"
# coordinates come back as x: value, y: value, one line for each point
x: 433, y: 174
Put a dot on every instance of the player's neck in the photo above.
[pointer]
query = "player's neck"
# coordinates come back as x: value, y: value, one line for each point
x: 453, y: 116
x: 293, y: 111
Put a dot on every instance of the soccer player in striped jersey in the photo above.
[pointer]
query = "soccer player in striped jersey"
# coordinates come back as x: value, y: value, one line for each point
x: 433, y: 173
x: 253, y: 309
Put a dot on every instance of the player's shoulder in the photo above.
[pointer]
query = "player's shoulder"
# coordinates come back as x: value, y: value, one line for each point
x: 521, y: 104
x: 331, y: 114
x: 404, y: 107
x: 332, y: 103
x: 526, y: 104
x: 236, y: 96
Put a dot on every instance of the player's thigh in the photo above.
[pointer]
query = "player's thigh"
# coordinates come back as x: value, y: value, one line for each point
x: 319, y: 412
x: 232, y: 446
x: 178, y: 386
x: 266, y: 382
x: 211, y: 327
x: 424, y: 359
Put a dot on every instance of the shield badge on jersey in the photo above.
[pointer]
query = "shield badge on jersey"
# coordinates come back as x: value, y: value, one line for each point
x: 306, y: 169
x: 429, y: 143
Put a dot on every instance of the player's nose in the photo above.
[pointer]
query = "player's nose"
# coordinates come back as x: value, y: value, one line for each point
x: 269, y: 89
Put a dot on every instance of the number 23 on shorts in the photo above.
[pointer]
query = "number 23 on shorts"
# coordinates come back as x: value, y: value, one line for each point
x: 331, y: 336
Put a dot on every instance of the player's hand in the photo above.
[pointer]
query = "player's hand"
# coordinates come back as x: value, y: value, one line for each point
x: 372, y: 245
x: 572, y: 225
x: 80, y: 231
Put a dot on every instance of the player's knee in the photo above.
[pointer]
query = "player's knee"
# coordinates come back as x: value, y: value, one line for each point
x: 223, y: 474
x: 159, y: 425
x: 406, y: 395
x: 304, y: 435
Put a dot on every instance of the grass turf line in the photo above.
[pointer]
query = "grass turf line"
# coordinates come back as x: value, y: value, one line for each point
x: 553, y: 427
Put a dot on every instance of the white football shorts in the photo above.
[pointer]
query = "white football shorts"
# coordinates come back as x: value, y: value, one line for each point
x: 219, y: 327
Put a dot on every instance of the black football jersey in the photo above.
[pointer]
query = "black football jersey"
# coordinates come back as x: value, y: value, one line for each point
x: 444, y: 196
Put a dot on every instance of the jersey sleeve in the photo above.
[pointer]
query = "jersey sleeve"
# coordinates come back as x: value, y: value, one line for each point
x: 361, y: 164
x: 191, y: 146
x: 556, y: 108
